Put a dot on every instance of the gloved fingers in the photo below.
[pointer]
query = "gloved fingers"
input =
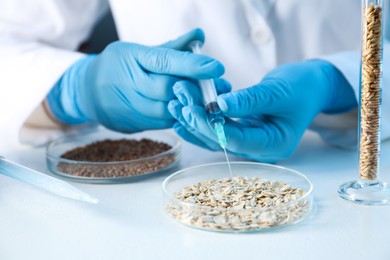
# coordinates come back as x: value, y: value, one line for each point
x: 242, y: 138
x: 145, y: 106
x: 122, y: 117
x: 270, y: 97
x: 175, y: 108
x: 181, y: 43
x: 189, y: 137
x: 196, y: 118
x: 222, y: 86
x: 189, y: 93
x: 136, y: 123
x: 252, y: 120
x: 161, y: 87
x: 258, y: 142
x: 240, y: 142
x: 156, y: 86
x: 182, y: 64
x: 269, y: 141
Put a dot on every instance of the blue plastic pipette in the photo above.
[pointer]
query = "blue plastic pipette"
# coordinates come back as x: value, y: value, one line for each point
x: 43, y: 181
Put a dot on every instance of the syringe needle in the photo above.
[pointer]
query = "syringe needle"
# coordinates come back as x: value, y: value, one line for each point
x: 220, y: 133
x: 215, y: 116
x: 43, y: 181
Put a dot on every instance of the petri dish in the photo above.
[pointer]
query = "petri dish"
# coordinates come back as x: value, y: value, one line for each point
x: 112, y: 171
x: 241, y: 219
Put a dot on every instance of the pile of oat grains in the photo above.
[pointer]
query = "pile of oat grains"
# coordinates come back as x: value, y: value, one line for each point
x: 370, y: 96
x: 239, y: 205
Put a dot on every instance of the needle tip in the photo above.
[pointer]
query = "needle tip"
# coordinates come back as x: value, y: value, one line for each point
x: 220, y: 135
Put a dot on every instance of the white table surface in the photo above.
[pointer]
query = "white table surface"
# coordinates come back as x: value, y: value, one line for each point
x: 129, y: 222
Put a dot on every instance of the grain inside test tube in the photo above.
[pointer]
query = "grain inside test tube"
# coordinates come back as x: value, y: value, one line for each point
x: 370, y: 92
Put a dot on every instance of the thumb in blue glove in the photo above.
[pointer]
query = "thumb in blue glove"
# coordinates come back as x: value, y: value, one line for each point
x: 127, y: 87
x: 272, y: 115
x: 188, y: 94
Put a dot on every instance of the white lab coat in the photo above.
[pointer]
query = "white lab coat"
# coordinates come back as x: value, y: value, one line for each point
x: 39, y: 39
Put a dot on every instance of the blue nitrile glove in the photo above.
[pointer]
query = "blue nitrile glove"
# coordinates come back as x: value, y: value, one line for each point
x: 189, y: 94
x: 273, y: 115
x: 127, y: 87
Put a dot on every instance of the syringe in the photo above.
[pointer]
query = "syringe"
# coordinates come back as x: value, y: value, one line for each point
x: 214, y: 114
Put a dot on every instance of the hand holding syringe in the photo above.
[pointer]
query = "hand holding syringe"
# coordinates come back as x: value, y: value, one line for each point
x: 214, y: 114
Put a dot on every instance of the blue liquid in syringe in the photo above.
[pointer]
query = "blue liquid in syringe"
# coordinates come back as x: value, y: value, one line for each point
x: 214, y: 113
x: 217, y: 120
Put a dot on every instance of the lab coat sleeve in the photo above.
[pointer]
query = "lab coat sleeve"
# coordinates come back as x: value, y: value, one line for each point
x: 38, y: 42
x: 342, y: 130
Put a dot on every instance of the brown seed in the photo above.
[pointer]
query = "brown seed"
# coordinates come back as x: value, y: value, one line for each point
x: 118, y: 151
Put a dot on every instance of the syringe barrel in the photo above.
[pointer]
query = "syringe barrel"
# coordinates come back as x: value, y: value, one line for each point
x: 214, y: 114
x: 209, y: 92
x: 207, y: 85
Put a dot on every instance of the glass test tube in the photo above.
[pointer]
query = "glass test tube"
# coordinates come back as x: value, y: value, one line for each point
x: 368, y: 189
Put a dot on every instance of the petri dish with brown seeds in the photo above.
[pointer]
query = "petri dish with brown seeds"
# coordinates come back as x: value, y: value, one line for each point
x: 104, y: 156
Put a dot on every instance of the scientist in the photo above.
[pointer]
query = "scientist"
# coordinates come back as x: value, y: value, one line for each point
x: 297, y: 63
x: 46, y: 83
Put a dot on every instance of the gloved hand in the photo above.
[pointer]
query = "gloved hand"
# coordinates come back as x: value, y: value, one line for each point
x: 272, y: 115
x: 127, y: 87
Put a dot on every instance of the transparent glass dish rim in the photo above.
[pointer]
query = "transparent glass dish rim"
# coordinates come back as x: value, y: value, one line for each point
x: 73, y: 137
x: 171, y: 198
x: 56, y: 147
